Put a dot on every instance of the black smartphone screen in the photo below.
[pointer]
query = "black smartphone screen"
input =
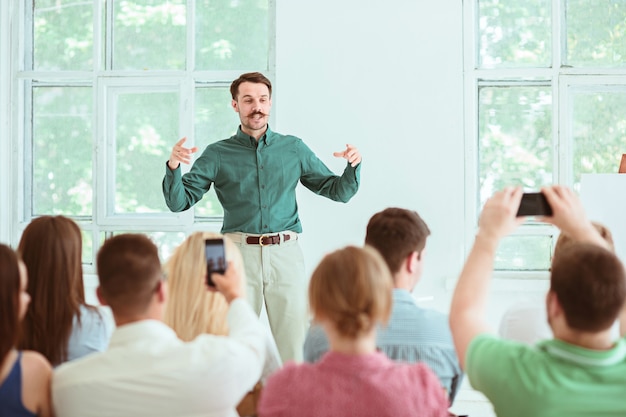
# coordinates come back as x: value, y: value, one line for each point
x: 215, y: 258
x: 534, y: 204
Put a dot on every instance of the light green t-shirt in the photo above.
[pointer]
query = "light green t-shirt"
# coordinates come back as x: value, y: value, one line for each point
x: 550, y: 379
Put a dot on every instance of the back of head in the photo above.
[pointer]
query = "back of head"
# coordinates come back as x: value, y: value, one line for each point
x: 351, y: 288
x: 250, y: 77
x: 9, y: 300
x: 51, y: 248
x: 129, y: 272
x: 590, y: 285
x: 395, y: 233
x: 191, y: 309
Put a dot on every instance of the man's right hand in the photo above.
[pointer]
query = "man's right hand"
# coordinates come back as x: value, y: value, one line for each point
x: 180, y: 154
x: 230, y: 284
x: 569, y: 215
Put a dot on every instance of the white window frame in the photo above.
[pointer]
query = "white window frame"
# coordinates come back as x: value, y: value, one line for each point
x: 562, y: 80
x: 16, y: 120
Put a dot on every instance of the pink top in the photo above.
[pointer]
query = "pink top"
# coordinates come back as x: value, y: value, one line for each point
x: 353, y: 385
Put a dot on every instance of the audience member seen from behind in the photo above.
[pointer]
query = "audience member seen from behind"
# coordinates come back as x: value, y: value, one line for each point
x: 527, y: 320
x: 350, y: 292
x: 582, y: 370
x: 413, y: 334
x: 192, y: 311
x: 147, y: 370
x: 24, y: 375
x: 59, y: 323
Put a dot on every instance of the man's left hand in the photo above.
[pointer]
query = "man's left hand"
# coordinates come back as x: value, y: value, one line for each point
x: 351, y: 153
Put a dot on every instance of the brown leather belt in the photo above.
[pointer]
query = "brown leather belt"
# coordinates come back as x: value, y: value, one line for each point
x: 266, y: 240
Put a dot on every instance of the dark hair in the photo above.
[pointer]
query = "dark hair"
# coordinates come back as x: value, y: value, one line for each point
x: 9, y: 300
x: 51, y: 248
x: 129, y: 271
x: 395, y: 233
x: 250, y: 77
x: 590, y: 284
x: 352, y: 288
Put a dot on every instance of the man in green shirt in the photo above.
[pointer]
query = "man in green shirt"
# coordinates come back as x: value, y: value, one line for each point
x: 255, y: 174
x: 582, y: 371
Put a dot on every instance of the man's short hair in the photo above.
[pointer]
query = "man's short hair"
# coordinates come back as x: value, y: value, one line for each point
x: 250, y: 77
x: 395, y: 233
x: 129, y: 271
x: 590, y: 284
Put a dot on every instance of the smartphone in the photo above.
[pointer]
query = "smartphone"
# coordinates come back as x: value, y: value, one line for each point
x: 215, y: 258
x: 534, y: 204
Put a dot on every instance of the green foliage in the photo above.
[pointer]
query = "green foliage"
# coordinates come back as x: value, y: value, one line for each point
x: 514, y: 33
x: 595, y: 33
x: 145, y: 34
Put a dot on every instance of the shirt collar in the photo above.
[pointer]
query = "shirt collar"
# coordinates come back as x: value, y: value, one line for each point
x: 142, y: 330
x: 267, y: 137
x: 582, y: 356
x: 403, y: 296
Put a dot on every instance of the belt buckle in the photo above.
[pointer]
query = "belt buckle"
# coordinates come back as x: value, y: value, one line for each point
x: 261, y: 240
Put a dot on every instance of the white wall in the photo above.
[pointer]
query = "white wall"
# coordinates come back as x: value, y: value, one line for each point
x: 388, y: 79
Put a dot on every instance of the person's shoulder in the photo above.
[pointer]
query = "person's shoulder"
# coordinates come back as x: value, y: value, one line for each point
x: 35, y: 367
x: 290, y: 373
x: 34, y: 362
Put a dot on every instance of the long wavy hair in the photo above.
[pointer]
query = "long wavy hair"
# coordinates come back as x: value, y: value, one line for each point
x: 9, y: 301
x: 51, y: 248
x: 191, y: 309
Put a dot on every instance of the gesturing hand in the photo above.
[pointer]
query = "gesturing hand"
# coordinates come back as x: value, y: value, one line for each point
x: 180, y: 154
x: 351, y: 153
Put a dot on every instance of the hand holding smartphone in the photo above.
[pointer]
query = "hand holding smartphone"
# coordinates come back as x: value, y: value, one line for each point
x: 534, y: 204
x: 215, y: 258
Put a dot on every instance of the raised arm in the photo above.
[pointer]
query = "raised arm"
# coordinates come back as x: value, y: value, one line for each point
x: 569, y: 216
x: 467, y: 312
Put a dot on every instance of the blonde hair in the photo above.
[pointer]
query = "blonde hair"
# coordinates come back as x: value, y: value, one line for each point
x: 352, y: 288
x: 191, y: 309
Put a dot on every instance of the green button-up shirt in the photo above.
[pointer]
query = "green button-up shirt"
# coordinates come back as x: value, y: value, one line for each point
x: 256, y: 182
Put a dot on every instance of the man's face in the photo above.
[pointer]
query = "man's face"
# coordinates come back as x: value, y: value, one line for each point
x: 253, y: 105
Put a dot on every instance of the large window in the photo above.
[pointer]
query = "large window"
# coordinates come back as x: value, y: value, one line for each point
x: 545, y: 103
x: 106, y: 88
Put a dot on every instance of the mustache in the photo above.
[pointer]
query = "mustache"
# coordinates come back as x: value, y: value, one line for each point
x: 257, y: 113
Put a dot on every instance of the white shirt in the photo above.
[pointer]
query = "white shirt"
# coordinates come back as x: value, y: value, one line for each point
x: 148, y: 371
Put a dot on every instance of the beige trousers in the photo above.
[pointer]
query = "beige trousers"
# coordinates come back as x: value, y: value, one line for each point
x: 276, y: 277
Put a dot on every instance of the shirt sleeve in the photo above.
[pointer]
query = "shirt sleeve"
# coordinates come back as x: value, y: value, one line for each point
x: 490, y: 361
x: 181, y: 192
x: 318, y: 178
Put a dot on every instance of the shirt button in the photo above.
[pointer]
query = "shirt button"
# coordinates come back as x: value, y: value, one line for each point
x: 261, y: 166
x: 265, y: 226
x: 264, y: 206
x: 263, y: 186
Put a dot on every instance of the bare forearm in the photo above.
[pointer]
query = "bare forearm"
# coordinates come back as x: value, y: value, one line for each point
x: 469, y: 303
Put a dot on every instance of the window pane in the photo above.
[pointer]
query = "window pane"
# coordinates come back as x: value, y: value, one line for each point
x: 599, y: 130
x: 529, y: 253
x: 146, y: 129
x: 166, y: 242
x: 596, y: 33
x: 63, y: 35
x: 232, y: 34
x: 149, y: 34
x: 62, y: 149
x: 215, y: 120
x: 515, y: 138
x: 87, y: 256
x: 514, y: 33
